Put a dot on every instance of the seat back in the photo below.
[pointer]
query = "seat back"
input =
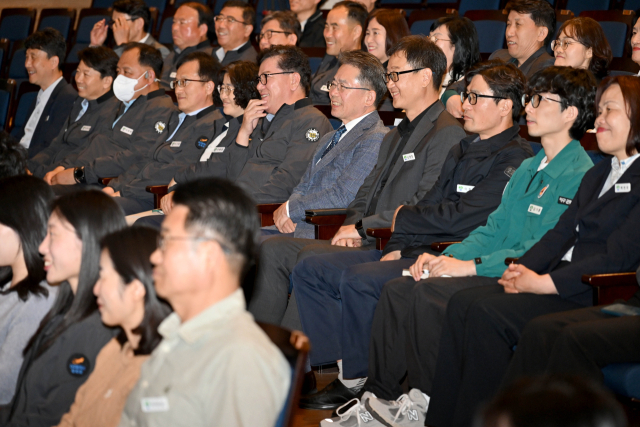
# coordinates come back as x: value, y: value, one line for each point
x: 17, y: 23
x: 26, y: 95
x: 86, y: 21
x: 491, y: 26
x: 297, y: 359
x: 420, y: 21
x: 16, y: 70
x: 60, y: 19
x: 578, y: 6
x: 315, y: 55
x: 263, y: 7
x: 466, y: 5
x: 164, y: 35
x: 7, y: 89
x: 4, y: 55
x: 617, y: 26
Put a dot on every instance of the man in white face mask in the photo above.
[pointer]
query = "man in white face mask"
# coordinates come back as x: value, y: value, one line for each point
x: 142, y: 117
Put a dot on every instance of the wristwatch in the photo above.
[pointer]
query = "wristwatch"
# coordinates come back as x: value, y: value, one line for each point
x: 360, y: 229
x: 78, y: 175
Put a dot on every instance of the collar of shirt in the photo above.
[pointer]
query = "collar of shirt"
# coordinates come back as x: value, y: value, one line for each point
x: 44, y: 95
x: 191, y: 330
x: 620, y: 167
x: 532, y: 58
x: 220, y: 53
x: 407, y: 126
x: 128, y: 104
x: 144, y: 39
x: 195, y: 113
x: 353, y: 123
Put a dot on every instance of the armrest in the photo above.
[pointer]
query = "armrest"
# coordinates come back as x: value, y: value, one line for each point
x: 509, y: 261
x: 608, y: 288
x: 324, y: 212
x: 441, y: 246
x: 382, y: 236
x: 325, y: 225
x: 158, y: 191
x: 105, y: 181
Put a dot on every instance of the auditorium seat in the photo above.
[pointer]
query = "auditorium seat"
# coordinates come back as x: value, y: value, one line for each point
x: 315, y: 55
x: 164, y: 32
x: 420, y: 21
x: 88, y: 18
x: 16, y: 70
x: 491, y: 26
x: 467, y: 5
x: 4, y: 55
x: 579, y: 6
x: 60, y: 19
x: 27, y: 94
x: 263, y: 7
x: 623, y: 66
x: 617, y: 26
x: 16, y: 24
x: 7, y: 89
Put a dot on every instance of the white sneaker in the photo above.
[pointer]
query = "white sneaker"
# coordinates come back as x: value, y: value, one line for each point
x: 408, y: 410
x: 352, y: 414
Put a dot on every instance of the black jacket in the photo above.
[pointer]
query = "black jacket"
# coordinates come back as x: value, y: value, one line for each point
x: 450, y: 212
x: 169, y: 66
x: 607, y: 239
x: 74, y: 135
x: 47, y: 385
x: 313, y: 34
x: 326, y: 72
x: 245, y: 53
x: 53, y: 117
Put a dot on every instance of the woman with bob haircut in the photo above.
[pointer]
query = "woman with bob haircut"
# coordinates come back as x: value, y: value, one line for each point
x: 127, y: 300
x: 62, y: 353
x: 581, y: 43
x: 25, y: 295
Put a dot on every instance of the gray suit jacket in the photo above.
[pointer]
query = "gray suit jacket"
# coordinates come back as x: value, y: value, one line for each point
x: 536, y: 62
x: 164, y: 51
x: 409, y: 179
x: 334, y: 181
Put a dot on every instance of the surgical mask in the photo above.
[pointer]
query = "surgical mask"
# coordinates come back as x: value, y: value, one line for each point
x: 123, y: 87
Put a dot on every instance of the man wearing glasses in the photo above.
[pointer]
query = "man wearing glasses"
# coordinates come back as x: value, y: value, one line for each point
x: 191, y: 24
x: 234, y: 26
x: 189, y: 132
x: 280, y: 27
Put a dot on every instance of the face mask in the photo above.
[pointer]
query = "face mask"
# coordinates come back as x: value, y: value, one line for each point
x: 123, y: 87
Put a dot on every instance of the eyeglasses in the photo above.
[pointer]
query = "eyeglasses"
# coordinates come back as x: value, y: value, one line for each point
x: 395, y: 75
x: 225, y: 89
x: 340, y: 87
x: 435, y: 39
x: 473, y: 97
x: 562, y: 44
x: 269, y: 33
x: 111, y: 22
x: 161, y: 241
x: 535, y: 99
x: 183, y: 82
x: 230, y: 20
x: 262, y: 78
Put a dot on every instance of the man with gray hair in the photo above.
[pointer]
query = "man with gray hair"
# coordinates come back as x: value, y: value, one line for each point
x: 344, y: 157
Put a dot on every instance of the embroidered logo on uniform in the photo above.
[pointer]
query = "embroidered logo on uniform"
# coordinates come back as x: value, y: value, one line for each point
x: 366, y: 417
x: 159, y: 126
x: 544, y: 190
x: 564, y: 201
x: 313, y: 135
x: 509, y: 171
x: 201, y: 142
x: 412, y: 415
x: 78, y: 365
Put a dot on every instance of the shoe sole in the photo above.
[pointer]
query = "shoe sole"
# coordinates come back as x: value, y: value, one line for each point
x: 378, y: 416
x: 320, y: 406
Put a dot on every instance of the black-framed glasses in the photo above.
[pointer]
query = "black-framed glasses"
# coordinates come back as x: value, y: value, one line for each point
x: 339, y: 86
x: 230, y: 19
x: 183, y: 82
x: 262, y: 78
x: 535, y: 99
x: 269, y: 33
x: 111, y: 22
x: 395, y: 75
x: 562, y: 44
x: 161, y: 241
x: 473, y: 97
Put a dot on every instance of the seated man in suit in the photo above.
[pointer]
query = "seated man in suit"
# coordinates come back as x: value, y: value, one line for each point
x: 311, y: 22
x: 343, y: 32
x: 280, y: 27
x: 95, y: 74
x: 234, y: 26
x: 141, y: 118
x: 409, y: 163
x: 189, y: 131
x: 46, y: 51
x: 344, y: 157
x: 191, y: 24
x: 130, y: 23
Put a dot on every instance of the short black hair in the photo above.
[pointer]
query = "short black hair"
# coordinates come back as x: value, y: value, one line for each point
x: 504, y: 79
x: 290, y: 58
x: 541, y: 13
x: 220, y: 209
x: 422, y: 53
x: 13, y: 156
x: 100, y: 58
x: 243, y: 76
x: 288, y: 22
x: 205, y: 14
x: 576, y: 87
x: 149, y: 56
x: 464, y: 37
x: 208, y: 67
x: 50, y: 41
x: 248, y: 12
x: 135, y: 9
x: 370, y: 71
x: 356, y: 13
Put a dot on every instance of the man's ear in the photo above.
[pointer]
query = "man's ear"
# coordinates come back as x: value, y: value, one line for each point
x: 54, y: 61
x: 542, y: 33
x: 506, y: 105
x: 107, y: 82
x: 427, y: 76
x: 357, y: 34
x: 293, y: 39
x: 570, y: 113
x: 203, y: 30
x: 209, y: 87
x: 248, y: 29
x: 294, y: 81
x: 370, y: 99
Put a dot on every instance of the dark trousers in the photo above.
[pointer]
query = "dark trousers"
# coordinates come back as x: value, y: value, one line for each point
x: 153, y: 221
x: 61, y: 190
x: 132, y: 206
x: 577, y: 342
x: 481, y: 329
x: 337, y: 295
x: 406, y: 331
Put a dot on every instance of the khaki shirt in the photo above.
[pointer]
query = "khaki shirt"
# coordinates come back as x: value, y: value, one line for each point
x: 217, y: 369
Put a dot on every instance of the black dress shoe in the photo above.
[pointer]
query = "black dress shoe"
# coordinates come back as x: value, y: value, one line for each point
x: 309, y: 384
x: 330, y: 397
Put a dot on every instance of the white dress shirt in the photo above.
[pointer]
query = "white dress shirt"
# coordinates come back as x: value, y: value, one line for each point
x: 32, y: 123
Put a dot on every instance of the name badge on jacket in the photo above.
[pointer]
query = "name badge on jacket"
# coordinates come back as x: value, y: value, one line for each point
x: 408, y: 157
x: 218, y: 150
x: 464, y: 188
x: 126, y: 130
x: 535, y: 209
x: 85, y: 128
x: 623, y: 188
x: 154, y: 404
x: 175, y: 144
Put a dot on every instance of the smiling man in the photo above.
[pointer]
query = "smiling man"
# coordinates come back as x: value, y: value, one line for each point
x: 234, y: 26
x: 343, y: 32
x: 531, y: 25
x: 46, y: 51
x: 94, y: 76
x: 280, y: 27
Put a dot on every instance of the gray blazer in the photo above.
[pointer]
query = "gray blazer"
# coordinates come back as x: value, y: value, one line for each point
x: 409, y: 179
x: 164, y: 51
x: 334, y: 181
x: 536, y: 62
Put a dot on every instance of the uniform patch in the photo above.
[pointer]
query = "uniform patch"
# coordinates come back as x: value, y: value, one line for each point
x: 160, y: 126
x: 509, y: 171
x: 202, y: 142
x: 312, y: 135
x: 78, y: 365
x: 544, y: 190
x: 564, y: 201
